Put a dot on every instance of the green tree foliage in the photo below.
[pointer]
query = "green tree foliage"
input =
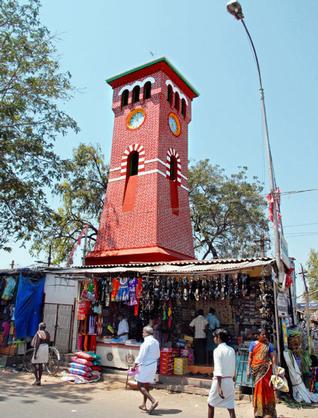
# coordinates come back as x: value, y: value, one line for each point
x: 31, y: 88
x: 82, y: 194
x: 312, y: 266
x: 227, y: 212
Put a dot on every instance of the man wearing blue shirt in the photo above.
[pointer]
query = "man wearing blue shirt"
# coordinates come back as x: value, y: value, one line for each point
x: 213, y: 324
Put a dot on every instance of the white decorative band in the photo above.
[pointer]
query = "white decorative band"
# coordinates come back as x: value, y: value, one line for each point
x: 117, y: 179
x: 114, y: 169
x: 144, y: 173
x: 130, y: 87
x: 175, y: 89
x: 154, y: 160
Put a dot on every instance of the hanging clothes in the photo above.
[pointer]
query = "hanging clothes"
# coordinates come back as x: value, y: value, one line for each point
x: 138, y: 295
x: 28, y: 305
x: 115, y: 287
x: 83, y: 308
x: 91, y: 325
x: 9, y: 288
x: 123, y: 292
x: 132, y: 284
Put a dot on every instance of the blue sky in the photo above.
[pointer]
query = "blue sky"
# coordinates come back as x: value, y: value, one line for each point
x: 99, y: 39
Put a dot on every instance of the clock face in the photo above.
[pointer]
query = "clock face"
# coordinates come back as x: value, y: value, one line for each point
x: 135, y: 118
x: 174, y: 124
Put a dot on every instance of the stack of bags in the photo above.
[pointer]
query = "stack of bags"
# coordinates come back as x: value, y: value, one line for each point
x: 167, y: 356
x: 85, y: 366
x: 180, y: 366
x: 188, y: 354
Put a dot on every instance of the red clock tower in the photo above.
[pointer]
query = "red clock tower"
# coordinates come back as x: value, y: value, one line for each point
x: 146, y: 214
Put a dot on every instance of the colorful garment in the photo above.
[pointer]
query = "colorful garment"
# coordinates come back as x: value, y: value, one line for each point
x: 115, y: 287
x: 264, y: 397
x: 123, y: 292
x: 138, y: 295
x: 132, y: 284
x: 9, y: 289
x: 83, y: 309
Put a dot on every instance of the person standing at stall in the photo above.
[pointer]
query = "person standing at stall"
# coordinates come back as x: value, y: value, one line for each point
x: 147, y: 363
x: 122, y: 329
x: 222, y: 389
x: 199, y: 323
x: 214, y: 323
x: 40, y: 342
x: 262, y: 362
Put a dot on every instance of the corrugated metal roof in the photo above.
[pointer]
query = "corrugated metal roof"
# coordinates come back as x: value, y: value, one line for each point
x: 184, y: 267
x: 182, y: 262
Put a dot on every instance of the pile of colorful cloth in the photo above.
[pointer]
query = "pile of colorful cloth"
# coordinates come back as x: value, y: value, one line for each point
x: 84, y: 368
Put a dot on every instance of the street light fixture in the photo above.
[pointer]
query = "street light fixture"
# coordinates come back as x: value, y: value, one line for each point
x: 235, y: 9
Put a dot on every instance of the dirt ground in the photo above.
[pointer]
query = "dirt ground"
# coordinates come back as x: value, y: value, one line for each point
x: 109, y: 399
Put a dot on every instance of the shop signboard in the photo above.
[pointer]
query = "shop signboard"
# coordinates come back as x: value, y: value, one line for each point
x: 284, y: 251
x: 282, y: 305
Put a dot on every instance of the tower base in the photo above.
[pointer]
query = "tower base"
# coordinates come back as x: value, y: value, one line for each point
x: 134, y: 255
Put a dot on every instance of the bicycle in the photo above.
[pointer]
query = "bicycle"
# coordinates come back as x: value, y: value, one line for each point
x: 52, y: 367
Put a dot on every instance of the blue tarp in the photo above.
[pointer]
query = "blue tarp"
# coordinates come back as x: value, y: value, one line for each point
x: 28, y: 305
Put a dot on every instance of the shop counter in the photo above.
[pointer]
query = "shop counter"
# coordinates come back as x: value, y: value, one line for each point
x: 118, y: 355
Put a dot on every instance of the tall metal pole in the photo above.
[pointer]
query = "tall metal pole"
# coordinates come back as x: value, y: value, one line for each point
x: 306, y: 296
x: 271, y: 174
x: 236, y: 10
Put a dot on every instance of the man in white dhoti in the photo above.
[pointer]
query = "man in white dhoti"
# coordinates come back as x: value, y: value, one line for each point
x: 222, y: 389
x: 147, y: 363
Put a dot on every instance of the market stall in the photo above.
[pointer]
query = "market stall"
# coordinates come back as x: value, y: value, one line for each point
x: 168, y: 296
x: 21, y: 301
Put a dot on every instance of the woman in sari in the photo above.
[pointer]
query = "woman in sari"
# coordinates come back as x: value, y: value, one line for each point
x: 261, y: 361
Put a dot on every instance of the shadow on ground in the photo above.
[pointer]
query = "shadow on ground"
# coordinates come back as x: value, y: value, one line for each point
x: 160, y: 411
x: 18, y: 386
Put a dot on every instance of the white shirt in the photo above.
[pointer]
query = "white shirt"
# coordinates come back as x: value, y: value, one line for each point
x: 149, y: 351
x: 224, y: 361
x: 123, y: 328
x: 199, y: 323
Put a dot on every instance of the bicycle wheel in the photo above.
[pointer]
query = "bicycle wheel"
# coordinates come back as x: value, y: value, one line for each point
x: 27, y: 364
x: 53, y: 365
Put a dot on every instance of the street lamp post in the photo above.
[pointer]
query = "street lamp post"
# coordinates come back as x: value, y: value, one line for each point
x: 235, y: 9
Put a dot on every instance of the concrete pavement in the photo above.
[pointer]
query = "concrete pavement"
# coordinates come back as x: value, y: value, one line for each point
x: 107, y: 399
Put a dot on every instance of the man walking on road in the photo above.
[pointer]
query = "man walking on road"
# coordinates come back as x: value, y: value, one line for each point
x: 222, y: 389
x: 147, y: 362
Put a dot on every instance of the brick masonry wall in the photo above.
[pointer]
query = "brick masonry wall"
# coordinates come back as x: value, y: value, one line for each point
x: 151, y: 222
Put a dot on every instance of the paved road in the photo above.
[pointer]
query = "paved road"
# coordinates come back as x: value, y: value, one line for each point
x: 19, y: 399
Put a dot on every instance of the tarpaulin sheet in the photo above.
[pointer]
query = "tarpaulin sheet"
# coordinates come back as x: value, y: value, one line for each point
x: 28, y: 305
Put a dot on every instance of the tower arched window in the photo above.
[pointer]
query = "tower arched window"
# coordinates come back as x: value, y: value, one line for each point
x: 124, y: 98
x: 131, y: 181
x: 174, y: 193
x: 176, y: 101
x: 170, y: 95
x: 147, y: 90
x: 183, y: 108
x: 132, y: 164
x: 136, y: 94
x: 173, y: 168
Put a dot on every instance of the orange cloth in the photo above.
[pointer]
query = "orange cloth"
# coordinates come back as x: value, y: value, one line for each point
x: 264, y: 397
x: 115, y: 285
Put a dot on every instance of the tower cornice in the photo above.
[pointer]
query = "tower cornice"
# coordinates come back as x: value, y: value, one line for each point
x: 160, y: 64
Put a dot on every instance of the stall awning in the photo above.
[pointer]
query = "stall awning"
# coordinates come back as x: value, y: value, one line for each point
x: 169, y: 268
